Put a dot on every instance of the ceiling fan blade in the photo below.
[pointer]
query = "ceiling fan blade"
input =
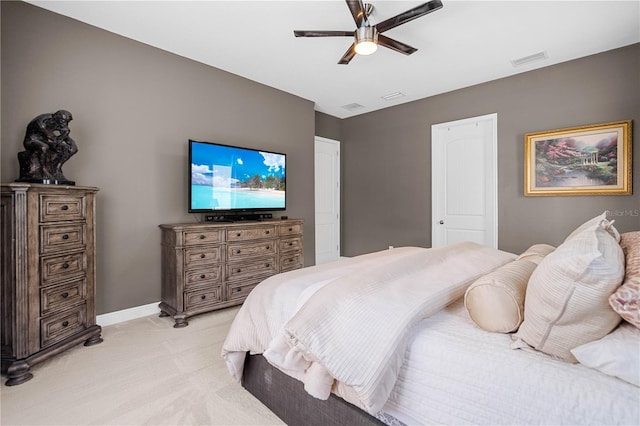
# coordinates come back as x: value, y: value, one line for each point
x: 348, y: 55
x: 357, y: 11
x: 395, y: 45
x: 320, y: 33
x: 409, y: 15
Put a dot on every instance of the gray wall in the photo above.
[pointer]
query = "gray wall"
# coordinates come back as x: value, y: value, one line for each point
x: 134, y: 109
x: 386, y: 155
x: 328, y: 126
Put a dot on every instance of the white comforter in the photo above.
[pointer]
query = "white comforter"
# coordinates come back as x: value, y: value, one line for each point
x: 344, y: 327
x: 454, y: 373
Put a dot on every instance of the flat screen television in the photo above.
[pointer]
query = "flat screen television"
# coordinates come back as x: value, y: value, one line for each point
x: 225, y: 178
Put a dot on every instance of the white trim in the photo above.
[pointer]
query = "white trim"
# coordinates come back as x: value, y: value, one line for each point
x: 127, y: 314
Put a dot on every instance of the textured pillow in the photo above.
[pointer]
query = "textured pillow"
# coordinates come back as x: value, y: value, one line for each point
x: 566, y: 302
x: 626, y: 300
x: 536, y: 253
x: 601, y: 221
x: 495, y: 302
x: 616, y: 354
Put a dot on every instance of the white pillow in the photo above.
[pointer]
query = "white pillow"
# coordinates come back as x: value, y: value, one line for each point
x: 616, y: 354
x: 598, y: 221
x: 567, y: 298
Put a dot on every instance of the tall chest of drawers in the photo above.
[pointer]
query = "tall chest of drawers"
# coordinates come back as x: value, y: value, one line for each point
x: 210, y: 266
x: 48, y: 273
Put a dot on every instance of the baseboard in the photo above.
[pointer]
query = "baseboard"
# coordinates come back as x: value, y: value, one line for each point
x: 127, y: 314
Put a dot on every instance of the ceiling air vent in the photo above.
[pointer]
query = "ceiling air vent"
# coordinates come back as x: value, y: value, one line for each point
x: 394, y: 95
x: 352, y: 107
x: 540, y: 56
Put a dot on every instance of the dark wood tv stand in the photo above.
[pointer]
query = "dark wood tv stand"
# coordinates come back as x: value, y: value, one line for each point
x: 214, y: 265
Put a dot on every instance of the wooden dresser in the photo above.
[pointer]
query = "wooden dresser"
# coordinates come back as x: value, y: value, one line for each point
x: 48, y: 273
x: 209, y: 266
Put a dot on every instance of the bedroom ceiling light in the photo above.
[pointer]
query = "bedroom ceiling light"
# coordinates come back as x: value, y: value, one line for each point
x: 366, y: 40
x: 368, y: 37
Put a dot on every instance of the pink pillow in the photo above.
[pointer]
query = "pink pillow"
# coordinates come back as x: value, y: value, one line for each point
x: 626, y: 299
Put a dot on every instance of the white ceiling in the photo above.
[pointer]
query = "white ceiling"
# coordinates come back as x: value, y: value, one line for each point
x: 462, y: 44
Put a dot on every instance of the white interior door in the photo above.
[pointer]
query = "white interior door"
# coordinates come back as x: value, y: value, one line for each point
x: 327, y: 199
x: 464, y: 181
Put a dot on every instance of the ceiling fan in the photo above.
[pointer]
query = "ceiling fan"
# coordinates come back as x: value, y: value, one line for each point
x: 368, y: 37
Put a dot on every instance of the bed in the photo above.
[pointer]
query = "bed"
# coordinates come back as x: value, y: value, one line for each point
x: 450, y: 335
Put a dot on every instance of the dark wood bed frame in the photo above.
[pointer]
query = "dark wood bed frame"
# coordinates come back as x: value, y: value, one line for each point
x: 287, y: 398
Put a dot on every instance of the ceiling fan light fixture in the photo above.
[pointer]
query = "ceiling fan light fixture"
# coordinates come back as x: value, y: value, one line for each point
x: 367, y: 37
x: 366, y: 40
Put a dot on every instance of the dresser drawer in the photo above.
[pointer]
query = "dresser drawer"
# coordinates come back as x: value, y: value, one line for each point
x: 262, y: 267
x: 63, y: 267
x: 60, y: 297
x: 203, y: 298
x: 62, y: 237
x: 60, y: 326
x: 202, y: 255
x: 285, y: 230
x: 203, y: 237
x: 56, y: 208
x: 201, y: 277
x: 254, y: 233
x: 288, y: 244
x: 240, y: 290
x: 252, y: 250
x: 290, y: 261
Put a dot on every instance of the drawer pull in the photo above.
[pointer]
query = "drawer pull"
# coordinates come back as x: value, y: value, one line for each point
x: 202, y: 237
x: 266, y: 265
x: 290, y: 229
x: 65, y: 237
x: 290, y: 244
x: 65, y: 207
x: 64, y: 295
x: 202, y: 256
x: 238, y: 251
x: 203, y: 276
x: 238, y: 234
x: 65, y: 323
x: 203, y: 297
x: 238, y: 270
x: 65, y: 265
x: 268, y: 247
x: 266, y: 232
x: 237, y: 290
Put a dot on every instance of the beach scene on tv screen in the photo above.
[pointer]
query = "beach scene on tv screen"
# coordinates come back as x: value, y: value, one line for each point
x: 224, y: 178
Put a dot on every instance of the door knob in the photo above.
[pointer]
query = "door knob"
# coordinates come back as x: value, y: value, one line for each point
x: 441, y: 222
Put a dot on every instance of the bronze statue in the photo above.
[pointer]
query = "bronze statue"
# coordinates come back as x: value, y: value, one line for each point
x: 48, y: 146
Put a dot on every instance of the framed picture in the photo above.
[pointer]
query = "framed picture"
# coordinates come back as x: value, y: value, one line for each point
x: 588, y: 160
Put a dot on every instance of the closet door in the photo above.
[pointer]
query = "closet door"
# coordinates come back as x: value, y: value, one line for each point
x: 327, y: 199
x: 464, y: 181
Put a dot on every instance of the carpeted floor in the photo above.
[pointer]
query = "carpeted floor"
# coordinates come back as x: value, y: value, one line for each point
x: 144, y: 373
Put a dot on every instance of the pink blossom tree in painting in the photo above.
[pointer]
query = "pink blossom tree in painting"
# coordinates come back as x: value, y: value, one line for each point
x: 588, y: 161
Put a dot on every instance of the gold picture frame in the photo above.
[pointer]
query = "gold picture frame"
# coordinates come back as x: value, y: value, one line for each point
x: 587, y: 160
